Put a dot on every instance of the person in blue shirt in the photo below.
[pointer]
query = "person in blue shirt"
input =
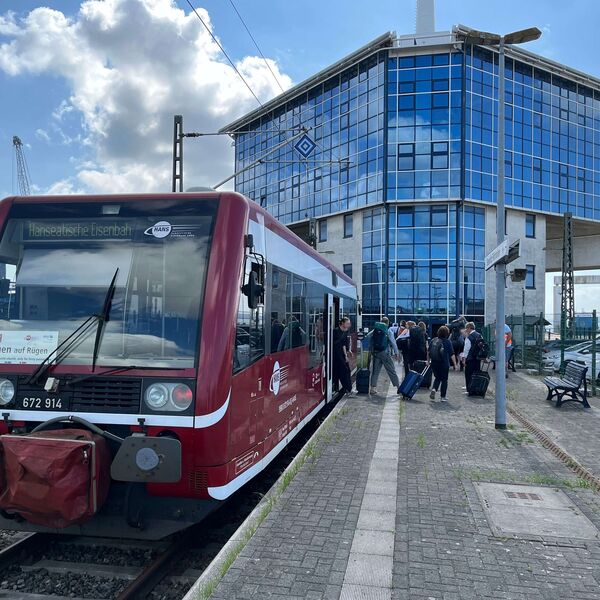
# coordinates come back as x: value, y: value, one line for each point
x: 441, y: 355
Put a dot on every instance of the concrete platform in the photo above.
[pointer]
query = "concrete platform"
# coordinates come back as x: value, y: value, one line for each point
x: 387, y: 506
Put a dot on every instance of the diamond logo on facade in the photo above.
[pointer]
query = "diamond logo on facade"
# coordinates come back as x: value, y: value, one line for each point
x: 305, y: 146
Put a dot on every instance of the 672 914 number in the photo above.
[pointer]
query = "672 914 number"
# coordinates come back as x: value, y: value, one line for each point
x: 41, y: 402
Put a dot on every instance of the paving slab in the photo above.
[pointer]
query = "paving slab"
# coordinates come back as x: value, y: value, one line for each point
x: 331, y: 534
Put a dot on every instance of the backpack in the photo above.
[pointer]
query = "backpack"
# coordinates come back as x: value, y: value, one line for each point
x: 455, y: 327
x: 483, y: 350
x: 479, y: 348
x: 437, y: 351
x: 380, y: 338
x: 416, y: 338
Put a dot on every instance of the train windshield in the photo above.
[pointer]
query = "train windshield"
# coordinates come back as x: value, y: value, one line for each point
x: 57, y: 262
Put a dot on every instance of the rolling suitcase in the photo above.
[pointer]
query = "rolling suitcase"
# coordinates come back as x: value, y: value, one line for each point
x: 363, y: 376
x: 479, y: 383
x: 420, y: 366
x: 363, y: 379
x: 413, y: 381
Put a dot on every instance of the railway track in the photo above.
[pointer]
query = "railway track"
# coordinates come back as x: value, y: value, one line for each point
x: 47, y: 566
x: 44, y: 566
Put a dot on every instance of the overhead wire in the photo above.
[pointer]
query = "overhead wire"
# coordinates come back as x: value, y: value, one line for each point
x: 216, y: 41
x: 299, y: 126
x: 237, y: 12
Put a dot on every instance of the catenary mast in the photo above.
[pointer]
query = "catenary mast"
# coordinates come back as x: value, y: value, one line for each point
x: 22, y: 169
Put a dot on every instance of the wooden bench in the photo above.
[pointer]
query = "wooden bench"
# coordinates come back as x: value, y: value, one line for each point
x: 567, y: 387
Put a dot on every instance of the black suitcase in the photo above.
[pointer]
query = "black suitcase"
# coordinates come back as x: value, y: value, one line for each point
x: 479, y: 383
x: 363, y: 379
x: 420, y: 366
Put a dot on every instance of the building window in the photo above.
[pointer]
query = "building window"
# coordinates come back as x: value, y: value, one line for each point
x: 439, y: 155
x: 347, y: 226
x: 323, y: 230
x: 406, y: 157
x: 529, y: 226
x: 347, y: 268
x: 530, y: 278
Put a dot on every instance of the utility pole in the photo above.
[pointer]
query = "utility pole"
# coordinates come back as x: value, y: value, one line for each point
x: 177, y: 153
x: 22, y: 169
x: 500, y: 41
x: 567, y: 299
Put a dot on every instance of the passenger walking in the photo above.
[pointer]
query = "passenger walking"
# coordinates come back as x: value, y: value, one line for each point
x: 402, y: 342
x: 441, y: 355
x: 417, y: 344
x: 470, y: 353
x: 383, y: 346
x: 341, y: 367
x: 457, y: 337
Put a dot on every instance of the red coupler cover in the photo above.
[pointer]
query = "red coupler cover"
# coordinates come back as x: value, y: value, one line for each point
x: 55, y: 478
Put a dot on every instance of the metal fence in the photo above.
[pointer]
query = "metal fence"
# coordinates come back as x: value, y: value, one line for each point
x: 545, y: 343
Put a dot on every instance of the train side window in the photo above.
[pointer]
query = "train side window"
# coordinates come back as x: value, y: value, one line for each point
x: 316, y: 326
x: 250, y: 331
x: 279, y: 306
x: 299, y: 337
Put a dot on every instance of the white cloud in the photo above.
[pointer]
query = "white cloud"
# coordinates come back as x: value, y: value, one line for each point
x: 42, y: 134
x: 130, y: 65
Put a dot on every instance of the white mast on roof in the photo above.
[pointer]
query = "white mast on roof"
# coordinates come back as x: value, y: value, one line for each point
x: 425, y: 20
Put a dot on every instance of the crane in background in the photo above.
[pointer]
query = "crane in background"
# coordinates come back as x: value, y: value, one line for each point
x: 22, y: 169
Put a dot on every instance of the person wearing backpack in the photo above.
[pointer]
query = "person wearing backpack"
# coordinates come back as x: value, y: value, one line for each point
x: 441, y: 355
x: 417, y: 344
x: 474, y: 352
x: 382, y: 345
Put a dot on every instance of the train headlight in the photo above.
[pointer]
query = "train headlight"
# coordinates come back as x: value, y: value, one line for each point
x: 156, y: 396
x: 7, y: 391
x: 167, y: 396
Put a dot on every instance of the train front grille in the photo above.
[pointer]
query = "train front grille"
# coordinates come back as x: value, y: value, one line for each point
x: 107, y: 395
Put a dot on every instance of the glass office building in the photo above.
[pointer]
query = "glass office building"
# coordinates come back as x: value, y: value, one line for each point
x: 402, y: 179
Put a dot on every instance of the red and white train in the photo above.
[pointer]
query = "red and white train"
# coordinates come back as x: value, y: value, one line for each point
x: 156, y: 353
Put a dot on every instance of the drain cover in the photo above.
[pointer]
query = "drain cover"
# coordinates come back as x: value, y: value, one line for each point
x: 524, y: 510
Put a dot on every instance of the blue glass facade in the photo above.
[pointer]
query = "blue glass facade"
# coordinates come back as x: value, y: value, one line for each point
x: 421, y: 280
x: 424, y: 127
x: 416, y: 135
x: 345, y: 115
x: 552, y: 158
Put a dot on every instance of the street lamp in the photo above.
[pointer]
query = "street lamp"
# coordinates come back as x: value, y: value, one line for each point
x: 485, y: 38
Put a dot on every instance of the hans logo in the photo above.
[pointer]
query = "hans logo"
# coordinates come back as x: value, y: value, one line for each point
x: 159, y: 230
x: 275, y: 378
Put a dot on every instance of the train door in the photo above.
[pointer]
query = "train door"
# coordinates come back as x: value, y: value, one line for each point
x: 332, y: 311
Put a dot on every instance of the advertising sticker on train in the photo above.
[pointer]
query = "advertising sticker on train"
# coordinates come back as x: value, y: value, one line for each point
x: 26, y: 347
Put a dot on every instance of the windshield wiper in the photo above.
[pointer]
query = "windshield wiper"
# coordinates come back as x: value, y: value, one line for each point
x: 104, y: 316
x: 66, y: 346
x: 107, y: 372
x: 63, y: 349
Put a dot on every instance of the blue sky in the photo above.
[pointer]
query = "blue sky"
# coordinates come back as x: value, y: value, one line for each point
x: 301, y: 37
x: 91, y: 87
